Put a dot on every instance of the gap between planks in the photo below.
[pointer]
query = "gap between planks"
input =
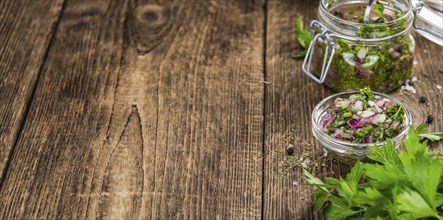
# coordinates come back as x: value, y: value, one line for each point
x: 265, y: 84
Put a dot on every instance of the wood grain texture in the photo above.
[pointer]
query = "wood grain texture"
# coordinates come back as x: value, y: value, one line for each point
x: 154, y: 109
x: 145, y: 109
x: 26, y: 28
x: 429, y: 73
x: 291, y: 97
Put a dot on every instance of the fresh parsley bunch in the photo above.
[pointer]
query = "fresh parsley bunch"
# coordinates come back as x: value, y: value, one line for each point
x: 407, y: 185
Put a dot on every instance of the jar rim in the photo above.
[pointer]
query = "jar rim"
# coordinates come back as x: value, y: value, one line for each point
x: 318, y: 131
x: 409, y: 14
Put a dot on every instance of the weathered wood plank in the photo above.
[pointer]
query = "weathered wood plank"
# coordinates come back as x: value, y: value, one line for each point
x: 429, y: 73
x: 26, y: 28
x: 145, y: 110
x: 291, y: 97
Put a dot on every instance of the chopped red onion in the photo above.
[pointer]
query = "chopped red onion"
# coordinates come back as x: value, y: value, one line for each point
x: 362, y: 122
x: 378, y: 118
x: 352, y: 123
x: 358, y: 106
x: 368, y: 139
x: 340, y: 134
x: 327, y: 120
x: 381, y: 103
x: 358, y: 124
x: 362, y: 53
x: 366, y: 113
x: 372, y: 103
x: 340, y: 103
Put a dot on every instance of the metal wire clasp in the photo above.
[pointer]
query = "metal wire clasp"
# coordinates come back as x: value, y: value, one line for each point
x: 323, y: 37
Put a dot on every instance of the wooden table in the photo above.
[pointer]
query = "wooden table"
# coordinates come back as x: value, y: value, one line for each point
x: 163, y: 109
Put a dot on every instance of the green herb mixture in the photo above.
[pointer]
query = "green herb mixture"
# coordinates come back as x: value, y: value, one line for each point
x: 363, y: 118
x: 382, y: 66
x: 408, y: 185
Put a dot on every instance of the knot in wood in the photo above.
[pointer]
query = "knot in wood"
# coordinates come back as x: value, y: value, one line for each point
x: 149, y: 16
x: 152, y: 14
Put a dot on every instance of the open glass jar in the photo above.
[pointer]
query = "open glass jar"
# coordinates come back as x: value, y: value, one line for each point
x: 350, y: 152
x: 346, y: 53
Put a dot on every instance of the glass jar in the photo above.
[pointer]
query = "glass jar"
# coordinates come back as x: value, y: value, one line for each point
x: 350, y: 152
x: 346, y: 53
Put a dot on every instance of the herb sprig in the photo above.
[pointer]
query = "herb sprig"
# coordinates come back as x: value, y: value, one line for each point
x: 436, y: 136
x: 407, y: 185
x: 303, y: 38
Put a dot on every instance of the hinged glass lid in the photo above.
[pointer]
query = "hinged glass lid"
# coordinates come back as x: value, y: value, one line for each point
x: 428, y: 20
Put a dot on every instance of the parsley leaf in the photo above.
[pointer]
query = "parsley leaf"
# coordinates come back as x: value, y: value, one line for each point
x: 433, y: 136
x: 303, y: 38
x: 365, y: 94
x: 299, y: 54
x: 436, y: 136
x: 378, y: 9
x: 314, y: 180
x: 338, y: 211
x: 414, y: 205
x: 384, y: 155
x: 407, y: 185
